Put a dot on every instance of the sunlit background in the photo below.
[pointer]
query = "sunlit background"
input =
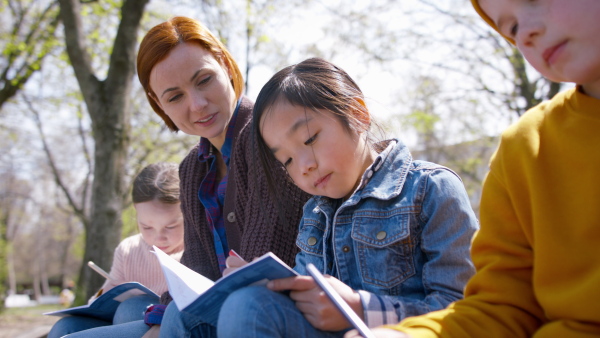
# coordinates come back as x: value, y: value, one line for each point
x: 434, y: 74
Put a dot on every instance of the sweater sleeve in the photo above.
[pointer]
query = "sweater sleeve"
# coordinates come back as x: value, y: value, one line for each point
x: 195, y: 250
x: 119, y: 267
x: 199, y: 253
x: 499, y: 299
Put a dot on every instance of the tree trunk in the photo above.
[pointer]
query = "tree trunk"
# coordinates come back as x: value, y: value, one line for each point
x: 106, y: 102
x: 104, y: 230
x: 37, y: 293
x: 64, y: 253
x: 44, y: 281
x: 10, y: 265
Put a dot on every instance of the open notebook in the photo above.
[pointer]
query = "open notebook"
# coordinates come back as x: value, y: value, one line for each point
x: 195, y: 293
x: 105, y: 305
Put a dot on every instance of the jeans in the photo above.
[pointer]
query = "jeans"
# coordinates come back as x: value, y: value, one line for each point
x: 125, y: 330
x: 74, y: 324
x: 128, y: 321
x: 256, y: 311
x: 180, y: 324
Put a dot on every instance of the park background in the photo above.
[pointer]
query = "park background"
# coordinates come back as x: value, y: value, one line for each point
x: 75, y: 125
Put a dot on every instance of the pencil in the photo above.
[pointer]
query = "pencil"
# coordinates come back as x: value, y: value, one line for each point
x: 100, y: 271
x: 233, y: 253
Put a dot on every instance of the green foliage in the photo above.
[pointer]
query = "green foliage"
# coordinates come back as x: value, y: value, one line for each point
x: 422, y: 121
x: 25, y: 40
x: 130, y: 226
x: 80, y: 297
x: 78, y: 248
x: 101, y: 22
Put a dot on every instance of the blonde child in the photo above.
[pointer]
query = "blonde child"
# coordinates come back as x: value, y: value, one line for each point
x: 393, y: 233
x: 538, y: 251
x: 155, y: 197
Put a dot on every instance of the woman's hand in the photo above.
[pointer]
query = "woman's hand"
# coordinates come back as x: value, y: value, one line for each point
x: 379, y: 333
x: 314, y: 304
x: 233, y: 263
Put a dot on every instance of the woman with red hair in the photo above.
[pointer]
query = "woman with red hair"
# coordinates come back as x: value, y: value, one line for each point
x: 193, y: 83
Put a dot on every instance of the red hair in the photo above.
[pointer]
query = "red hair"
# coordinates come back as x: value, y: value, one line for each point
x: 162, y: 38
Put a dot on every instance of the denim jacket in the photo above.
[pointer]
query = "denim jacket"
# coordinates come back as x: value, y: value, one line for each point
x: 401, y: 240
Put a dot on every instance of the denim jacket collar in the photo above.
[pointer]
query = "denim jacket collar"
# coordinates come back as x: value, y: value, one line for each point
x: 382, y: 179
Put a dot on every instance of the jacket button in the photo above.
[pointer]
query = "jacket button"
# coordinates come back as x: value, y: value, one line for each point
x: 312, y: 241
x: 346, y: 248
x: 231, y: 217
x: 381, y: 235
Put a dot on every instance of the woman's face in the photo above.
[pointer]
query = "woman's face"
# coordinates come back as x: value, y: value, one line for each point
x: 195, y: 91
x: 161, y: 224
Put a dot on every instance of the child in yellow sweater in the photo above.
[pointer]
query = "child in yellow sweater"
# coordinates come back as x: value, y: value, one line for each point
x: 538, y: 251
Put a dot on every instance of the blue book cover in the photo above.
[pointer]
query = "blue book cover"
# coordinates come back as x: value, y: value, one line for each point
x: 195, y: 293
x: 105, y: 305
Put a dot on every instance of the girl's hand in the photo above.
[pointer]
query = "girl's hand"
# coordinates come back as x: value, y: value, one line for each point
x: 233, y: 263
x: 380, y: 333
x: 314, y: 303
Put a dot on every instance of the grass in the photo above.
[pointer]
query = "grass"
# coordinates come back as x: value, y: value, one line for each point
x: 29, y: 311
x: 20, y: 319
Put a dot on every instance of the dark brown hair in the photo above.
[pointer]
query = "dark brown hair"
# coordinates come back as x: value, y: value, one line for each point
x: 314, y: 83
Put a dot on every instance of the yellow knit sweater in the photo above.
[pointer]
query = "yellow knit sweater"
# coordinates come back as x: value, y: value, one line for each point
x: 538, y: 251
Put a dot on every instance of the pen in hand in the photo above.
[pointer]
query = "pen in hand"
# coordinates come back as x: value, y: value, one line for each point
x: 100, y: 271
x: 233, y: 262
x: 235, y: 254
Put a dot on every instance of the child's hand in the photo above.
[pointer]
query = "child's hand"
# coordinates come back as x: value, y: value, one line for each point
x: 154, y: 332
x: 233, y: 263
x: 314, y: 303
x: 380, y: 333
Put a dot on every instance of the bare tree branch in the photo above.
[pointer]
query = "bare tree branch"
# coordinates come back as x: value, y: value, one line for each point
x: 77, y: 209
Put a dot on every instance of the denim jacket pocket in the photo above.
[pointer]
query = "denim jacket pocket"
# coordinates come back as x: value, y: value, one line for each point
x: 310, y: 237
x: 384, y: 247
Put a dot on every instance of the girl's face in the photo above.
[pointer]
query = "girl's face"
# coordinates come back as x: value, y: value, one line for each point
x: 195, y: 91
x: 558, y: 37
x: 320, y: 155
x: 161, y: 224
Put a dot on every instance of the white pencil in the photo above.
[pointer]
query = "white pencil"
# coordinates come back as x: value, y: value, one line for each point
x: 100, y: 271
